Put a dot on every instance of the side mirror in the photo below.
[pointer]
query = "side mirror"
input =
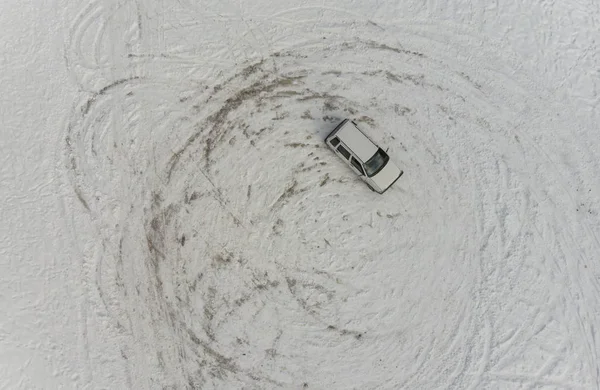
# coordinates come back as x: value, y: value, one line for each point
x: 386, y: 150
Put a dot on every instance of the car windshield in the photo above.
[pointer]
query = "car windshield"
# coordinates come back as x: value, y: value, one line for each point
x: 376, y: 163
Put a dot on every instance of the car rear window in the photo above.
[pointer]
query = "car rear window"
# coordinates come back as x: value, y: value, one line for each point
x: 335, y: 141
x: 343, y: 151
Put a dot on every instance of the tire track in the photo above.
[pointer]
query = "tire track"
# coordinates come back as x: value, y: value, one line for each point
x: 200, y: 277
x: 92, y: 54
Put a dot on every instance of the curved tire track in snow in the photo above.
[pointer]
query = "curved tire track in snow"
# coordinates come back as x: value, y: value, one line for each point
x: 236, y: 249
x: 99, y: 38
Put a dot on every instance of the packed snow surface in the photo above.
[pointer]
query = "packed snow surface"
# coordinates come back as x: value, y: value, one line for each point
x: 173, y: 219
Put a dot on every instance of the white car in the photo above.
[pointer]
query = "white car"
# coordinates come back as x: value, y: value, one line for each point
x: 366, y: 159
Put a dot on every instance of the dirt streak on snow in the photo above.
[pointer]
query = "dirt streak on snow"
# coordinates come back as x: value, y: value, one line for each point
x: 217, y: 243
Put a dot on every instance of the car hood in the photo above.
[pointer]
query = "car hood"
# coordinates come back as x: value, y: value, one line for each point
x: 384, y: 178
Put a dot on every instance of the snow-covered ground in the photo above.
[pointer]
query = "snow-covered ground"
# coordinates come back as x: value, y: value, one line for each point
x: 172, y: 219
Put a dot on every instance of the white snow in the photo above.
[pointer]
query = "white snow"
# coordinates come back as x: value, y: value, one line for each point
x: 172, y: 218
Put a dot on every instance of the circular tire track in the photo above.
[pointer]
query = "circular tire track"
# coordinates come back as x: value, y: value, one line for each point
x: 100, y: 37
x: 257, y: 257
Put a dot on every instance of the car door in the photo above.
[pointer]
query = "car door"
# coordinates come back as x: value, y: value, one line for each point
x: 357, y: 167
x: 344, y: 153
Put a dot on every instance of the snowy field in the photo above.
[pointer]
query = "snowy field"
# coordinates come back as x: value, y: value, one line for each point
x: 172, y: 219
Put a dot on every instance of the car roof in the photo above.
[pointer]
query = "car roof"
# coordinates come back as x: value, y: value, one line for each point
x: 357, y: 141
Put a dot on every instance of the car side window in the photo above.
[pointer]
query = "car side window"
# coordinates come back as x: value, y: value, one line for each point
x: 335, y: 141
x: 357, y: 165
x: 343, y: 151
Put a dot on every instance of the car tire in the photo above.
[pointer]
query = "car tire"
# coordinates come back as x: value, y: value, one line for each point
x: 371, y: 188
